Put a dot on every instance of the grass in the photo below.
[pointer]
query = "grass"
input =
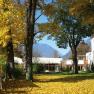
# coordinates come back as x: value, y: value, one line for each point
x: 82, y: 83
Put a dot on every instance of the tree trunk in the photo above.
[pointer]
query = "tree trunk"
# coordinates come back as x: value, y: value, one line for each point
x: 10, y: 58
x: 75, y: 61
x: 30, y: 18
x: 29, y: 67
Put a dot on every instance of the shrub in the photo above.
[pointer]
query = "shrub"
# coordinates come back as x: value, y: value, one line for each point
x: 92, y: 67
x: 17, y: 72
x: 66, y: 69
x: 38, y: 68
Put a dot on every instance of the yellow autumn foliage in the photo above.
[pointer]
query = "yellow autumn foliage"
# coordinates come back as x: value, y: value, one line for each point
x: 48, y: 9
x: 84, y: 8
x: 1, y: 2
x: 12, y: 17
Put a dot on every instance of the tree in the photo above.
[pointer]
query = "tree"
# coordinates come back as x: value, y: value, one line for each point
x: 32, y: 6
x: 30, y: 23
x: 11, y: 28
x: 67, y: 28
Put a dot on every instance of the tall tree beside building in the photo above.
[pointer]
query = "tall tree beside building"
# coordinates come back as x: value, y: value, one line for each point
x: 65, y: 27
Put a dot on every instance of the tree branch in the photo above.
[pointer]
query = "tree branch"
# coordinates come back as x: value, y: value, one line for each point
x: 38, y: 17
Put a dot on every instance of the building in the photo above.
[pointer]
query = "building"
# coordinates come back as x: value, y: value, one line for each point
x: 82, y: 64
x: 50, y: 59
x: 49, y: 64
x: 90, y: 55
x: 55, y: 64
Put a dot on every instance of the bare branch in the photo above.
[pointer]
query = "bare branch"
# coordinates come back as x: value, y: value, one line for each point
x: 38, y: 17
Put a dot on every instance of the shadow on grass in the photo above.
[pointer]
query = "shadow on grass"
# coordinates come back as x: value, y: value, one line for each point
x: 13, y: 92
x: 17, y: 87
x: 68, y: 78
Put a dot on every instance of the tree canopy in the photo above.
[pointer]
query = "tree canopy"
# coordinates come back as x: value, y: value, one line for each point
x: 12, y: 17
x: 67, y: 26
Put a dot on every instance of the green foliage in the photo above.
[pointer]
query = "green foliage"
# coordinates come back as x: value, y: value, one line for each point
x: 2, y: 60
x: 69, y: 28
x: 38, y: 68
x: 35, y: 68
x: 66, y: 69
x: 92, y: 67
x: 65, y: 27
x: 17, y: 71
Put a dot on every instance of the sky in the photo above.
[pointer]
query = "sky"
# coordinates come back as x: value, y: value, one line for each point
x: 42, y: 18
